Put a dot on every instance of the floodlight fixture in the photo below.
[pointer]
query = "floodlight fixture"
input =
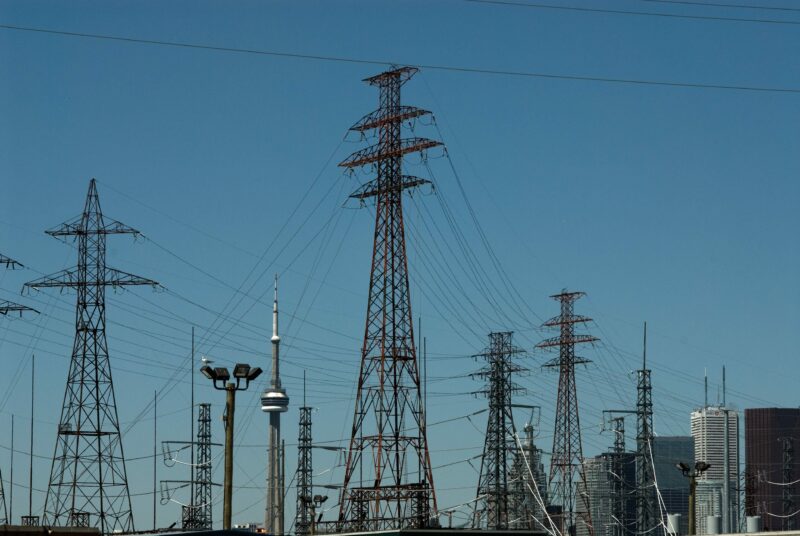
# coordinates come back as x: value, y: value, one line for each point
x: 683, y: 467
x: 222, y: 374
x: 254, y: 373
x: 209, y: 372
x: 240, y: 370
x: 702, y: 466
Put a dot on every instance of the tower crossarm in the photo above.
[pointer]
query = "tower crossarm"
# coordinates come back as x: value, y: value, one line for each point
x: 77, y: 227
x: 373, y: 189
x: 70, y: 278
x: 9, y: 262
x: 378, y: 152
x: 11, y: 307
x: 561, y: 320
x: 573, y: 339
x: 383, y: 116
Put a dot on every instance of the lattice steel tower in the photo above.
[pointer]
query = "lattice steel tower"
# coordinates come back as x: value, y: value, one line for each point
x: 494, y: 493
x: 305, y: 484
x: 201, y: 502
x: 393, y: 488
x: 88, y: 482
x: 567, y: 458
x: 646, y: 506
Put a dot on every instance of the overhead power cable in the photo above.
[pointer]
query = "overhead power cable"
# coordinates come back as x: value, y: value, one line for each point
x: 437, y: 67
x: 629, y: 12
x: 712, y: 4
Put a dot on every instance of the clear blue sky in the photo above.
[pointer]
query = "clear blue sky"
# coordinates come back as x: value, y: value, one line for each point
x: 673, y: 205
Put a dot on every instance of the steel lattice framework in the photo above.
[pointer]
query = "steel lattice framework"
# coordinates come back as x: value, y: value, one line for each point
x: 305, y: 497
x: 647, y: 515
x: 388, y: 482
x: 567, y: 458
x: 494, y: 496
x: 201, y: 502
x: 88, y: 481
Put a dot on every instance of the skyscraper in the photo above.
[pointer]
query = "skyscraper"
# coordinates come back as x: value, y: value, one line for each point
x: 772, y: 474
x: 612, y: 506
x: 668, y: 451
x: 715, y: 430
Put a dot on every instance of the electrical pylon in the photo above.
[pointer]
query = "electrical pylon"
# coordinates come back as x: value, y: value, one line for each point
x: 8, y: 306
x: 203, y: 513
x: 305, y: 493
x: 567, y: 458
x: 647, y: 515
x: 494, y: 493
x: 393, y: 488
x: 88, y: 481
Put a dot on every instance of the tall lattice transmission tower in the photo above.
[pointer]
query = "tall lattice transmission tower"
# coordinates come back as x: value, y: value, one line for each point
x: 495, y: 495
x: 201, y: 502
x: 647, y: 515
x: 88, y: 481
x: 567, y: 458
x: 388, y: 483
x: 305, y: 484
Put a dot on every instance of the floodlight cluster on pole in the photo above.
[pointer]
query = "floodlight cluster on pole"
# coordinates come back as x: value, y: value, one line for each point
x: 243, y: 374
x: 692, y: 474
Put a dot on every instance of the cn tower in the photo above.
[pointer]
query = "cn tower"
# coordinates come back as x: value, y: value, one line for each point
x: 274, y: 402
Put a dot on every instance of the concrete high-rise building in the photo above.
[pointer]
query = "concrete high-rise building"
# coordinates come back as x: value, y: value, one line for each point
x: 771, y: 438
x: 610, y: 484
x: 668, y: 451
x: 715, y: 430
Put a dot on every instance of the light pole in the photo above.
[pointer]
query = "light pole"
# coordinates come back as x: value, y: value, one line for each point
x: 692, y: 474
x: 220, y: 377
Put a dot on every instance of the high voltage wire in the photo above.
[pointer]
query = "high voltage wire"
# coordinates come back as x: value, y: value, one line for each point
x: 629, y: 12
x: 436, y: 67
x: 711, y: 4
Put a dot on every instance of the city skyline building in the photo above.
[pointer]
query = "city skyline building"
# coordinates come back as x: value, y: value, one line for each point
x: 715, y: 430
x: 772, y: 473
x: 603, y: 474
x: 668, y: 451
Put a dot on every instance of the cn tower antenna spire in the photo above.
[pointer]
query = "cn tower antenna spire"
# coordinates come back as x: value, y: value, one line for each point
x: 274, y: 401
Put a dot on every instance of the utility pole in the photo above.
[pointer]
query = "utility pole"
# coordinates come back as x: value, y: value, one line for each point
x: 692, y: 474
x: 494, y: 494
x: 274, y: 402
x: 646, y: 508
x: 243, y: 374
x: 567, y: 459
x: 388, y: 441
x: 82, y: 491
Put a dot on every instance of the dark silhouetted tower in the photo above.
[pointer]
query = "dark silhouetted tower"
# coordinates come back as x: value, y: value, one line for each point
x: 88, y: 482
x: 567, y: 458
x: 388, y: 482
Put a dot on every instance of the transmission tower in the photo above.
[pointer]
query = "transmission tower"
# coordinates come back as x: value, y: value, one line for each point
x: 646, y: 506
x: 203, y: 518
x: 392, y: 487
x: 787, y: 499
x: 88, y: 482
x: 8, y: 306
x: 305, y: 497
x: 567, y: 458
x: 494, y: 493
x: 197, y: 515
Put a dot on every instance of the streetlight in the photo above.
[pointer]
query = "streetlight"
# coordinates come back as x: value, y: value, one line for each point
x: 692, y: 474
x: 220, y: 376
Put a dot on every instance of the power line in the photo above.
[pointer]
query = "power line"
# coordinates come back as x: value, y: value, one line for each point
x: 449, y: 68
x: 635, y: 13
x: 710, y: 4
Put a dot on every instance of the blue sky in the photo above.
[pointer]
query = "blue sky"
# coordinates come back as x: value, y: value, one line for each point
x: 672, y: 205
